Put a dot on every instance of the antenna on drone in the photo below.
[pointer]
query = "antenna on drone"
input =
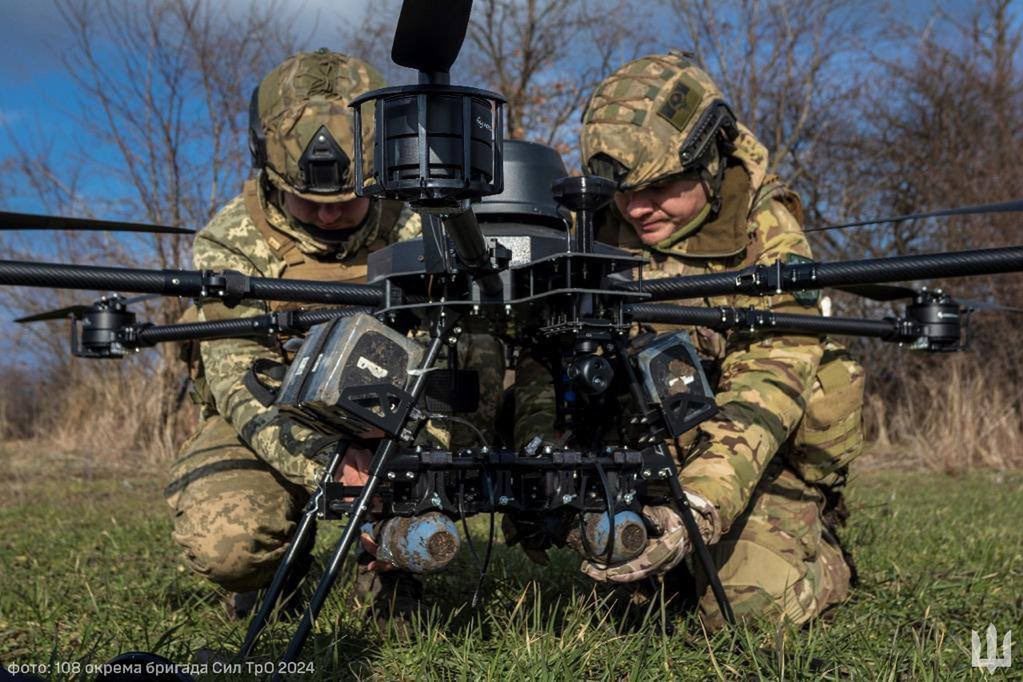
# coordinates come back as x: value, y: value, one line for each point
x: 979, y: 209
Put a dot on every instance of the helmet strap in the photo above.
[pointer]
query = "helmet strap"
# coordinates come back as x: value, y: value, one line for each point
x: 684, y: 231
x: 712, y: 181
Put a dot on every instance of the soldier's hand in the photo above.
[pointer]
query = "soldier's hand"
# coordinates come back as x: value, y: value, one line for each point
x: 354, y: 472
x: 354, y: 466
x: 667, y: 546
x: 372, y: 548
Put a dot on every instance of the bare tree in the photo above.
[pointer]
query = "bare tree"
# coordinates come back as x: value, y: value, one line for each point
x: 161, y: 114
x: 371, y: 39
x: 945, y: 123
x: 171, y: 113
x: 545, y: 56
x: 940, y: 128
x: 791, y: 71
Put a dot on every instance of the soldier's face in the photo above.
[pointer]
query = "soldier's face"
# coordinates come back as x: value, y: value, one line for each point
x: 341, y: 215
x: 656, y: 211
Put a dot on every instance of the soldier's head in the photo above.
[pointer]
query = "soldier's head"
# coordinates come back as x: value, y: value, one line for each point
x: 302, y: 137
x: 661, y: 129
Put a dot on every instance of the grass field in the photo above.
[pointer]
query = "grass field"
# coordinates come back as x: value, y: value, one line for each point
x: 87, y: 570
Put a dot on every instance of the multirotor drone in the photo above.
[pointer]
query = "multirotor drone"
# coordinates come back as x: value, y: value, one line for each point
x: 507, y: 249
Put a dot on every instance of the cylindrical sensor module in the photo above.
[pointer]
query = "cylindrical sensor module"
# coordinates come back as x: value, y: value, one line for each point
x: 420, y: 544
x: 630, y: 536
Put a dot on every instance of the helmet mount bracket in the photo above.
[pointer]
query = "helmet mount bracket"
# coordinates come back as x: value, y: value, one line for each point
x: 323, y: 164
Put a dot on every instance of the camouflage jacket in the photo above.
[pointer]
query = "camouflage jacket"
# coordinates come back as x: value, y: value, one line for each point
x: 764, y: 380
x: 232, y: 240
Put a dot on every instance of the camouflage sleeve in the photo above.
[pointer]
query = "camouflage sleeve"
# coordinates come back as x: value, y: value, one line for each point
x: 284, y: 444
x: 765, y: 381
x: 407, y: 226
x: 535, y: 401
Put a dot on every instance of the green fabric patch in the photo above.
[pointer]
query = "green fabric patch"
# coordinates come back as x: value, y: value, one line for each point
x: 682, y: 103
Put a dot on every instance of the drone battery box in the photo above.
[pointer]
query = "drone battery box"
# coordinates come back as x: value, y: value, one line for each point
x: 339, y: 356
x: 673, y: 378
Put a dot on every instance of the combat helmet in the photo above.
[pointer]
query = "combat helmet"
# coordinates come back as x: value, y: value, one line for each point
x: 301, y: 133
x: 656, y: 118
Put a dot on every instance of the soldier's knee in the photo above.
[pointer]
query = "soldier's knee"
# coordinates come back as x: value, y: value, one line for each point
x: 232, y: 544
x: 763, y: 584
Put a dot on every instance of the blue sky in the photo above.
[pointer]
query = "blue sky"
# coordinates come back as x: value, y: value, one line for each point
x: 35, y: 90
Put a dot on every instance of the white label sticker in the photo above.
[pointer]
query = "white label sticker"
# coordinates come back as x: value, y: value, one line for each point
x: 371, y: 367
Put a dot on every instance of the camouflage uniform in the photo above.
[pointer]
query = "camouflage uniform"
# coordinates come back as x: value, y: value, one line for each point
x: 766, y: 462
x: 242, y: 479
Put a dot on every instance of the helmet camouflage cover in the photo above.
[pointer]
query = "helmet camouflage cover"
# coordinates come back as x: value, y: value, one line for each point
x: 301, y: 110
x: 654, y: 118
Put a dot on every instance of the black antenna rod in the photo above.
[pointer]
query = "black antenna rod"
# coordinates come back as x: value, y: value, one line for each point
x: 977, y: 209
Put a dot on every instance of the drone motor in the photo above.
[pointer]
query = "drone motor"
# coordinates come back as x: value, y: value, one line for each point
x: 98, y: 334
x: 940, y: 321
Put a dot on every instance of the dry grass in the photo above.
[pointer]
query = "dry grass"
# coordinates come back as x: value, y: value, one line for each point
x: 951, y: 414
x: 112, y: 412
x: 126, y: 418
x: 962, y: 417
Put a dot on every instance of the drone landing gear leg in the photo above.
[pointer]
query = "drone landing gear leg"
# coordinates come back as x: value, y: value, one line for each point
x: 299, y: 550
x: 684, y: 510
x: 702, y: 553
x: 356, y: 516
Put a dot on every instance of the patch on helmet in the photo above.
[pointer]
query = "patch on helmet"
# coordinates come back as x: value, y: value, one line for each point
x: 681, y: 104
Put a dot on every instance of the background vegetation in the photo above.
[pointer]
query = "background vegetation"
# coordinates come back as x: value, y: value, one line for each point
x: 867, y: 109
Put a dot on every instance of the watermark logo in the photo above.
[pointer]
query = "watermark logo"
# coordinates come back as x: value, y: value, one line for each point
x: 991, y: 661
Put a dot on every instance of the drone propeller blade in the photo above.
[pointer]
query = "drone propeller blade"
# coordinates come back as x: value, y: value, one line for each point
x: 29, y: 221
x: 988, y: 305
x: 1002, y: 207
x: 430, y: 34
x: 59, y: 314
x: 878, y: 292
x: 78, y: 311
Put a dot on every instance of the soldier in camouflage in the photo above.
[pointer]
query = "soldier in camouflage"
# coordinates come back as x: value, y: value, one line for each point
x: 243, y: 478
x: 765, y: 474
